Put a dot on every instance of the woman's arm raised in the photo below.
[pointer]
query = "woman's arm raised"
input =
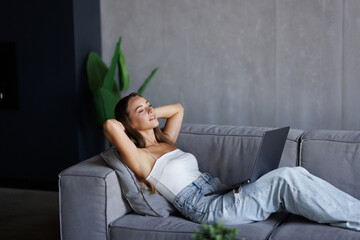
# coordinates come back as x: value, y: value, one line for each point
x: 174, y: 114
x: 115, y: 132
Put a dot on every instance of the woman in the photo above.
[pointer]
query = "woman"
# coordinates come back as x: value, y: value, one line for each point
x: 152, y: 155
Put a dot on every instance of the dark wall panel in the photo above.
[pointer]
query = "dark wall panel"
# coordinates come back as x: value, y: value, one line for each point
x: 41, y: 138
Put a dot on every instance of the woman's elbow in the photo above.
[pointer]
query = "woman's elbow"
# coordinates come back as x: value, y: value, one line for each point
x: 108, y: 125
x: 112, y: 125
x: 180, y: 107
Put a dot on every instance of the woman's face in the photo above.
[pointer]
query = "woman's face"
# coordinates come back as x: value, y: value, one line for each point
x: 142, y: 115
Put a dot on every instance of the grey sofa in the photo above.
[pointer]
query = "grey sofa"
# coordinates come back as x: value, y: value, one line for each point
x: 97, y: 202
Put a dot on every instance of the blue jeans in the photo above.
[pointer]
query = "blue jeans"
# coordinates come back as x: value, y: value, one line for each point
x: 291, y: 189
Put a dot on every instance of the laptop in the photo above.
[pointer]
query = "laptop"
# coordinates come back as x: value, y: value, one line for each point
x: 268, y: 157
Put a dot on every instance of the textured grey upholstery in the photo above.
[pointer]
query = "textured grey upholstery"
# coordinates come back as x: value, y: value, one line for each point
x: 228, y: 151
x: 333, y: 156
x: 134, y: 226
x: 92, y: 205
x: 299, y: 228
x: 90, y: 199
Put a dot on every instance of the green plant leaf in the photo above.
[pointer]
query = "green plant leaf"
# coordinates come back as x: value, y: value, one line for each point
x: 215, y: 232
x: 96, y: 71
x: 142, y: 88
x: 105, y: 103
x: 109, y: 77
x: 124, y: 78
x: 115, y: 91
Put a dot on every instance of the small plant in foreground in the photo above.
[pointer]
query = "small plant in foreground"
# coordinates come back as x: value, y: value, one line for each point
x: 215, y: 232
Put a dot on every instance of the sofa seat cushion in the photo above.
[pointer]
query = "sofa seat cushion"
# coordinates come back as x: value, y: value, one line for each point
x: 333, y: 156
x: 300, y: 228
x: 133, y: 226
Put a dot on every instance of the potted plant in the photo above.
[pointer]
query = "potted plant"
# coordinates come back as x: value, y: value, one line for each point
x: 102, y: 83
x: 215, y: 232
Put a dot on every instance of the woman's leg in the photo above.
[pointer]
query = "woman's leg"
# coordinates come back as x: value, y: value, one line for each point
x: 305, y: 194
x: 293, y: 189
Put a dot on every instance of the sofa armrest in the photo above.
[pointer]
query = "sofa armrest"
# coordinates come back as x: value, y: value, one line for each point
x: 90, y: 199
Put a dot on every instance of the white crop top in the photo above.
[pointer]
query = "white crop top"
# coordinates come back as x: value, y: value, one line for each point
x: 172, y: 172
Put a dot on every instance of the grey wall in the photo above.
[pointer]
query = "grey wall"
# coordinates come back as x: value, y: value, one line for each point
x: 244, y: 62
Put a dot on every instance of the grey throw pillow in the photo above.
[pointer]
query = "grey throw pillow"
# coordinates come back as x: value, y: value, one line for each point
x: 142, y: 202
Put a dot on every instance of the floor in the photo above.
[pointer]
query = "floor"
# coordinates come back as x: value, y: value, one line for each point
x: 29, y: 214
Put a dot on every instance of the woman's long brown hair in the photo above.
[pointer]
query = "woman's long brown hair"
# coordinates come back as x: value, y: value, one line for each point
x: 122, y: 114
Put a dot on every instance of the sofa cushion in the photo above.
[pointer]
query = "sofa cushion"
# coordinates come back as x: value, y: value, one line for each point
x: 132, y: 226
x: 141, y: 201
x: 229, y: 151
x: 300, y: 228
x: 333, y: 156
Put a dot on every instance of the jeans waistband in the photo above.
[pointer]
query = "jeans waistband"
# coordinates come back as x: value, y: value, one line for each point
x: 203, y: 184
x: 204, y: 178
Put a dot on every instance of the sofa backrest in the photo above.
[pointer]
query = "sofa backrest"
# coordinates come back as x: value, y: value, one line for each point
x: 229, y: 151
x: 333, y: 156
